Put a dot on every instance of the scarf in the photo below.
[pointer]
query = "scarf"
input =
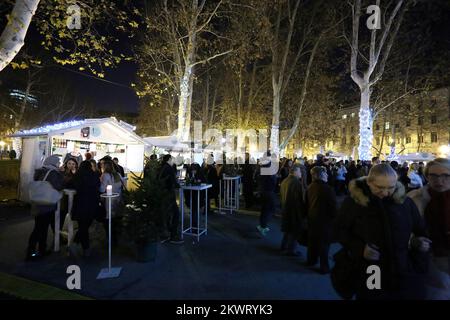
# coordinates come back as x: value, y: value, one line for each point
x: 437, y: 217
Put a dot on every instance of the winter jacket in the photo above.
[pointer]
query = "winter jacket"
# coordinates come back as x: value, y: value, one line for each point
x: 86, y: 202
x: 321, y: 208
x: 168, y: 178
x: 340, y: 173
x: 388, y: 224
x: 421, y: 198
x: 438, y: 281
x: 268, y: 183
x: 213, y: 179
x: 292, y: 205
x: 108, y: 179
x: 415, y: 180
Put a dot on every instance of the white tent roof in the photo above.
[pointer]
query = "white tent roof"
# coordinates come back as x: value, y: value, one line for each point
x: 170, y: 143
x: 110, y: 129
x: 417, y: 157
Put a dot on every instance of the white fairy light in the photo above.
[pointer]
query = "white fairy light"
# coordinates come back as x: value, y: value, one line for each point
x: 53, y: 127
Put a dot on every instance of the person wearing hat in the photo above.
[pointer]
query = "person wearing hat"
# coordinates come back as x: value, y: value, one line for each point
x: 44, y: 214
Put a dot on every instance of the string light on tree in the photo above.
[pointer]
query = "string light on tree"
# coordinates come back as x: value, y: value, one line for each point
x: 365, y: 134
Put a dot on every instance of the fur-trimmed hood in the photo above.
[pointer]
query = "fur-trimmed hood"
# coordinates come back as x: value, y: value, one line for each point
x: 360, y: 192
x: 421, y: 198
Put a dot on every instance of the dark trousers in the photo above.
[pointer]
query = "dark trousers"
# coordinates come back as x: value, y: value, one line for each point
x: 82, y: 235
x: 340, y: 187
x: 174, y: 218
x: 289, y: 242
x: 40, y: 232
x: 318, y: 247
x: 267, y: 208
x: 248, y: 194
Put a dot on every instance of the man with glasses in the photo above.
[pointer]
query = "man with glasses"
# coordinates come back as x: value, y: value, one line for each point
x: 433, y: 202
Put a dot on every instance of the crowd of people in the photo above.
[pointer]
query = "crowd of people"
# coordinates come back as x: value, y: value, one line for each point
x: 391, y: 216
x: 394, y: 216
x: 89, y: 179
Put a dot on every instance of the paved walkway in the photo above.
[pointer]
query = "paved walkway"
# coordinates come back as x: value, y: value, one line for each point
x: 231, y: 262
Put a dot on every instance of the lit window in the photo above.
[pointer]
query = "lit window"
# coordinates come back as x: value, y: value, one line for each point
x: 353, y: 114
x: 386, y: 125
x: 344, y: 116
x: 434, y: 137
x: 433, y: 119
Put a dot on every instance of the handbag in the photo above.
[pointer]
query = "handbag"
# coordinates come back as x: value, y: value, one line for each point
x: 41, y: 192
x: 344, y: 274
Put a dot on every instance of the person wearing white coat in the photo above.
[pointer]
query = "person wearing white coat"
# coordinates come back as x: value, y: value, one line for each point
x: 415, y: 179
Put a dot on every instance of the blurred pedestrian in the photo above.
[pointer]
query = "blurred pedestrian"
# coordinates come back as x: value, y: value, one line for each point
x: 321, y: 209
x: 44, y: 214
x: 293, y: 211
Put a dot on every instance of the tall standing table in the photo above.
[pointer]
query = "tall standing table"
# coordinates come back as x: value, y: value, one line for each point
x: 231, y: 192
x: 109, y: 272
x: 190, y: 229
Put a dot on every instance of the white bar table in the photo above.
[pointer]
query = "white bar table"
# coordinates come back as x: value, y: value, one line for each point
x: 70, y: 194
x: 189, y: 230
x: 230, y: 198
x: 109, y: 272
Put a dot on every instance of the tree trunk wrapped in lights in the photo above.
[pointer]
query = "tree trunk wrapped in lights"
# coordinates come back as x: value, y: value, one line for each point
x: 365, y: 126
x: 378, y: 55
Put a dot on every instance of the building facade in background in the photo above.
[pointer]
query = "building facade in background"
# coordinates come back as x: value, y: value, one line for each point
x: 419, y: 123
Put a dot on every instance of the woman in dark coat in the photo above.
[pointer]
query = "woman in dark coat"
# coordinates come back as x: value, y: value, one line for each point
x: 375, y: 226
x: 44, y: 214
x: 321, y: 203
x: 86, y: 203
x: 293, y: 210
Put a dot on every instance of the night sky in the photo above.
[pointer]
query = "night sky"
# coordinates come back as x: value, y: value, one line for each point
x: 108, y: 96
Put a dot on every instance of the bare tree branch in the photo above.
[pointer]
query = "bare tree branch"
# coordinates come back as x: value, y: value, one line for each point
x: 211, y: 58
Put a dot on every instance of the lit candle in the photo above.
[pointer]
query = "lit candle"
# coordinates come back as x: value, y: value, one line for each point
x: 109, y: 190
